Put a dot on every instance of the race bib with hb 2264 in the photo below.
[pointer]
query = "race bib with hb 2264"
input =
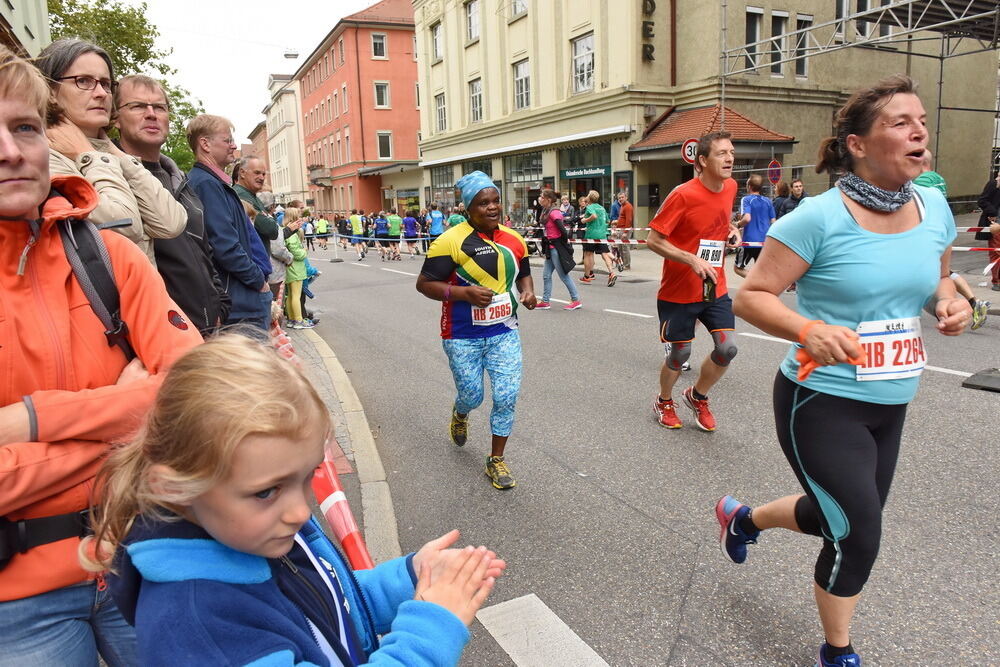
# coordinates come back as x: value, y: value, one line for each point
x: 712, y: 251
x: 500, y: 309
x: 895, y: 349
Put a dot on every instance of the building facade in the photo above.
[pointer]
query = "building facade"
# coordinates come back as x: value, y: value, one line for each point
x: 285, y: 139
x: 360, y: 112
x: 583, y: 94
x: 24, y: 26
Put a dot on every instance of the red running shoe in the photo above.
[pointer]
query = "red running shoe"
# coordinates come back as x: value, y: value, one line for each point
x: 702, y: 415
x: 666, y: 415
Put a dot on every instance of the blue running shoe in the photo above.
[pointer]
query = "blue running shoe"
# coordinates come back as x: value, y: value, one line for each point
x: 732, y: 539
x: 849, y: 660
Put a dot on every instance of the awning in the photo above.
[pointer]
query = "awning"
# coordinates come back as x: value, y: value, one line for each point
x: 676, y: 126
x: 390, y: 166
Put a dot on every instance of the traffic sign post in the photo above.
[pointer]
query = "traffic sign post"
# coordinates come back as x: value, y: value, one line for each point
x: 774, y: 172
x: 689, y: 149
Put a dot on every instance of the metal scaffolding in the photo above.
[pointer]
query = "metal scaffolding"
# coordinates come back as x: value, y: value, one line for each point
x: 891, y: 23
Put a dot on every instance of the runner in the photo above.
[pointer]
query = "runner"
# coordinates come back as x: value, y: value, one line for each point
x: 322, y: 231
x: 435, y: 223
x: 690, y: 232
x: 395, y: 227
x: 343, y: 230
x: 840, y: 403
x: 474, y: 268
x: 931, y: 179
x: 381, y: 226
x: 557, y: 251
x: 357, y: 233
x: 456, y: 218
x: 411, y: 232
x: 756, y: 216
x: 596, y: 220
x: 623, y: 230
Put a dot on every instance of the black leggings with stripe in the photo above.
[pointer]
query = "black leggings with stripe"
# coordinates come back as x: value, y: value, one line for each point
x: 843, y: 453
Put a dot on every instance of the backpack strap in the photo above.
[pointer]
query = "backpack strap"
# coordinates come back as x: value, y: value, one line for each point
x: 91, y: 264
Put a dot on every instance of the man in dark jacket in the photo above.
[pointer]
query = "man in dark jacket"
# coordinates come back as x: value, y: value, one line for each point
x: 184, y: 262
x: 240, y: 257
x: 789, y: 204
x: 989, y: 202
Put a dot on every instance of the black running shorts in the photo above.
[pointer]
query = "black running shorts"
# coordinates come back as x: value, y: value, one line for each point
x: 677, y: 320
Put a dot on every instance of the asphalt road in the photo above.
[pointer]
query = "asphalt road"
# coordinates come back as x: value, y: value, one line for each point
x: 612, y: 525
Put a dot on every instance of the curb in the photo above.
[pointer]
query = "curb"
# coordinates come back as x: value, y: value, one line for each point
x: 381, y: 533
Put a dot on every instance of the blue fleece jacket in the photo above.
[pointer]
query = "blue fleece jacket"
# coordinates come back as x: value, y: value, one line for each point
x: 237, y: 250
x: 194, y: 600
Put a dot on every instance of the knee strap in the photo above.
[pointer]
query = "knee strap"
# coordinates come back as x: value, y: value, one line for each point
x: 725, y: 347
x: 677, y: 354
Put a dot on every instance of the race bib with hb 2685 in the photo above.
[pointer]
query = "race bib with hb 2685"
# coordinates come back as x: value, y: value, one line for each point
x: 500, y: 309
x: 712, y: 251
x: 895, y: 349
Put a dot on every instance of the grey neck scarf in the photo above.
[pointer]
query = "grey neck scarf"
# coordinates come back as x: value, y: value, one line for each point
x: 872, y: 196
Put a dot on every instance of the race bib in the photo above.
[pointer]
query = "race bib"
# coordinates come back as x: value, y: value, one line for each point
x: 895, y: 349
x: 712, y: 251
x: 498, y: 311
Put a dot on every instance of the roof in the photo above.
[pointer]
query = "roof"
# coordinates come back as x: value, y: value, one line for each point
x: 675, y: 126
x: 386, y: 11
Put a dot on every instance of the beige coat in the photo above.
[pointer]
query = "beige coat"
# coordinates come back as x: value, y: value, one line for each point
x: 127, y: 191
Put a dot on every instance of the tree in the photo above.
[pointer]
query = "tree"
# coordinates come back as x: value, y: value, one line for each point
x: 130, y: 40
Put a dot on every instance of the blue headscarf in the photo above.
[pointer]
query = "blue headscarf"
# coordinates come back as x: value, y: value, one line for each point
x: 472, y: 184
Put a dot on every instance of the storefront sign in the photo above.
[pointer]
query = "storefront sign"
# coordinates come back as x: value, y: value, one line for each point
x: 648, y: 49
x: 585, y: 172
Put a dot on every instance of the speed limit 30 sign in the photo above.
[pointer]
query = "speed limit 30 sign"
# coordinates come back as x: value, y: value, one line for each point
x: 689, y: 149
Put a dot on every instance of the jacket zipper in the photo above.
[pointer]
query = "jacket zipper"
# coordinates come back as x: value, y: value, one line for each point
x: 319, y: 598
x: 361, y: 596
x: 43, y: 308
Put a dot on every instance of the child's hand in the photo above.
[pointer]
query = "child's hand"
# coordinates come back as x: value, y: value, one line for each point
x: 462, y: 586
x: 433, y: 552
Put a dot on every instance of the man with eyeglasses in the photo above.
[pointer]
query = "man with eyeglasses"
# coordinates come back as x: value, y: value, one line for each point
x: 184, y: 262
x: 240, y: 257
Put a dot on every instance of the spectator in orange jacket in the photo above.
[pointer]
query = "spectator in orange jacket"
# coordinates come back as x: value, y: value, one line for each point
x: 66, y: 394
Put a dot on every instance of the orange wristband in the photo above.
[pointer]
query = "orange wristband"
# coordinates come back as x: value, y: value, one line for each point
x: 805, y: 329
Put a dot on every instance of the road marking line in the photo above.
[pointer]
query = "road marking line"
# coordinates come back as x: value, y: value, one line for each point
x: 405, y: 273
x: 930, y: 368
x: 364, y: 266
x: 559, y: 301
x: 532, y: 634
x: 625, y: 312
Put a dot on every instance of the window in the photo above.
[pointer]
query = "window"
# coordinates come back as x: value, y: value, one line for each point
x: 864, y: 25
x: 439, y: 111
x: 583, y: 63
x: 779, y: 26
x: 475, y: 100
x: 350, y: 194
x: 416, y: 93
x: 384, y: 145
x: 522, y: 85
x: 518, y: 7
x: 379, y: 47
x: 340, y: 47
x: 329, y: 109
x: 414, y: 48
x: 340, y: 157
x: 343, y: 98
x: 802, y: 22
x: 472, y: 20
x: 884, y: 27
x: 841, y: 10
x: 347, y: 144
x: 436, y: 42
x: 322, y: 113
x: 754, y: 17
x: 336, y: 107
x: 485, y: 166
x: 381, y: 94
x: 326, y: 66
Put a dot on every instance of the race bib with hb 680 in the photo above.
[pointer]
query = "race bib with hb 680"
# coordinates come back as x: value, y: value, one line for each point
x: 895, y: 349
x: 500, y: 309
x: 712, y: 251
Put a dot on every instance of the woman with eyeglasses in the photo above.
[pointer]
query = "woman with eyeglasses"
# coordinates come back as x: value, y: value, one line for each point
x: 82, y: 80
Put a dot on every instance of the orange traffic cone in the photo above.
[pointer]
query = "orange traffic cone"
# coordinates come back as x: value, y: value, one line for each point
x: 332, y: 501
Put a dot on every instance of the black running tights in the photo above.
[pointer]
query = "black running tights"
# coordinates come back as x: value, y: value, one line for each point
x: 843, y: 453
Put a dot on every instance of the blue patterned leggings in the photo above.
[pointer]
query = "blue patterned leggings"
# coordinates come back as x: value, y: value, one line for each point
x: 500, y: 356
